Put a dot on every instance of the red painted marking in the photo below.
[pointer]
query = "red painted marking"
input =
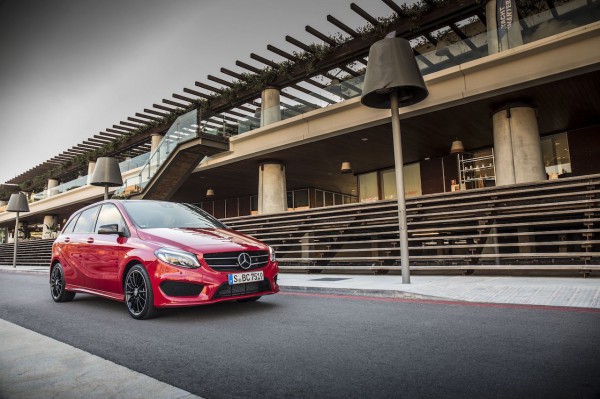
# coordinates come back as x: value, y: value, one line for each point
x: 445, y: 302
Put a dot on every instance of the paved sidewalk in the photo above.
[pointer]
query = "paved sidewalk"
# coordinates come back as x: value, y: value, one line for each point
x: 548, y: 291
x: 35, y: 366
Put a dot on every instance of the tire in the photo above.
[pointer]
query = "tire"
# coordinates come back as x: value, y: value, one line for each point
x: 139, y: 297
x: 253, y: 299
x: 57, y: 285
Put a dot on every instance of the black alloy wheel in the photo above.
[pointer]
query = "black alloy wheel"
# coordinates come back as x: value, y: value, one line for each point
x: 57, y: 285
x: 138, y: 294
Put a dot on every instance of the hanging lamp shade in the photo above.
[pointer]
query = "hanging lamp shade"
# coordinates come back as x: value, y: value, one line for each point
x: 17, y: 203
x: 210, y: 192
x: 107, y: 173
x: 346, y: 167
x: 457, y: 147
x: 392, y: 66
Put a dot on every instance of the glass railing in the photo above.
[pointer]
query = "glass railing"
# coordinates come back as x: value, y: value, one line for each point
x: 124, y: 166
x: 133, y: 163
x: 61, y: 188
x: 185, y: 128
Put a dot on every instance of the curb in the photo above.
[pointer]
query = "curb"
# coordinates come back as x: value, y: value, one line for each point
x: 24, y: 271
x: 360, y: 292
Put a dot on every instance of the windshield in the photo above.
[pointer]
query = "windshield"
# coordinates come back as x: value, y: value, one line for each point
x: 157, y: 214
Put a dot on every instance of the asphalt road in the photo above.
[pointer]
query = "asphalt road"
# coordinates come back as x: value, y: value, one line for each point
x: 310, y: 346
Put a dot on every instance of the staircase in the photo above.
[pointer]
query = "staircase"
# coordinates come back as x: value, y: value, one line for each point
x: 178, y: 154
x: 545, y: 225
x: 30, y: 253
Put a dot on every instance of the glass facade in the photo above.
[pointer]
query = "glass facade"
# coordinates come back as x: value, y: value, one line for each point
x: 557, y: 158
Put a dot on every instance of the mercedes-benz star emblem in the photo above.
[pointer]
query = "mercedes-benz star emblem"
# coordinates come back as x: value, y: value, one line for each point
x: 244, y: 260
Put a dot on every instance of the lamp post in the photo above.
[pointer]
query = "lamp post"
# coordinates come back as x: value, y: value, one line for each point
x: 17, y: 203
x: 107, y: 174
x: 393, y: 80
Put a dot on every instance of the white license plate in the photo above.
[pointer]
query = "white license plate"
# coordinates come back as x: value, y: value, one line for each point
x: 241, y: 278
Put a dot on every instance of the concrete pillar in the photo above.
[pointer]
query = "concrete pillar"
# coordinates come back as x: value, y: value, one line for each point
x: 50, y: 224
x: 517, y: 148
x: 51, y: 184
x: 272, y: 197
x: 91, y: 168
x: 511, y: 37
x: 270, y: 106
x: 156, y: 138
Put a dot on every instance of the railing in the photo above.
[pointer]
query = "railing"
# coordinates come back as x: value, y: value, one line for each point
x: 124, y: 166
x: 185, y: 128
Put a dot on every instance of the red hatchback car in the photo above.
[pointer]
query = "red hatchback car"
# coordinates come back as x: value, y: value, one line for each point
x: 154, y: 254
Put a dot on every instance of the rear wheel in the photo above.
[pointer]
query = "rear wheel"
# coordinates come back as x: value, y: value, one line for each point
x: 139, y: 297
x: 57, y: 285
x: 253, y: 299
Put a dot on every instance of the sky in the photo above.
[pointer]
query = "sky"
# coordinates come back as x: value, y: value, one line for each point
x: 72, y: 68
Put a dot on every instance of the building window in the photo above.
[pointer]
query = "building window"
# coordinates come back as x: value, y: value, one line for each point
x: 368, y: 187
x: 557, y: 159
x: 388, y: 182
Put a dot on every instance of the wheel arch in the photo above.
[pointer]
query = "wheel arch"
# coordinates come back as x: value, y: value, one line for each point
x: 127, y: 268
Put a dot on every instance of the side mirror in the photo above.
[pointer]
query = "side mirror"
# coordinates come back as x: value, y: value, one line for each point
x: 111, y: 229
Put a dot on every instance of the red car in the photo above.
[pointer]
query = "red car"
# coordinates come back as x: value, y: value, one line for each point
x: 154, y: 254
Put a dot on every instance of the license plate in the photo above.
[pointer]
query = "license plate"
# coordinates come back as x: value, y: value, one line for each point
x: 241, y: 278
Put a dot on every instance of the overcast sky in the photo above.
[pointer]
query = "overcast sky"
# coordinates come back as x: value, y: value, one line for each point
x: 72, y: 68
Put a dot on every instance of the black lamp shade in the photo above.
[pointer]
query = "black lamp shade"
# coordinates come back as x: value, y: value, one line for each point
x: 392, y: 66
x: 107, y: 173
x: 17, y: 203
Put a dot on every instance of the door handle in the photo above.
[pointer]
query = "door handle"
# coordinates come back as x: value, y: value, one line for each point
x: 90, y: 240
x: 67, y: 239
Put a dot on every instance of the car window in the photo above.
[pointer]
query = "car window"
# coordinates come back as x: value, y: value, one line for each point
x: 158, y: 214
x: 85, y: 223
x: 109, y: 214
x: 69, y: 227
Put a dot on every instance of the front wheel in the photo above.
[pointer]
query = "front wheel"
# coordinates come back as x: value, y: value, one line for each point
x: 138, y: 294
x: 57, y: 285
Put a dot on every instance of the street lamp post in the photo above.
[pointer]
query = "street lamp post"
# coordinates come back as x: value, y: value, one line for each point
x: 393, y: 80
x: 17, y: 203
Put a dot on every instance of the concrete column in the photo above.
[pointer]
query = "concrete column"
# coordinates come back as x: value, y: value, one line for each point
x: 270, y: 106
x: 517, y: 148
x: 156, y: 138
x: 512, y: 38
x: 272, y: 197
x: 51, y: 184
x: 91, y: 168
x: 50, y: 223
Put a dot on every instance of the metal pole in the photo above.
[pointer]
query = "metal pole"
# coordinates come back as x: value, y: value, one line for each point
x: 16, y: 242
x: 105, y: 193
x: 400, y: 188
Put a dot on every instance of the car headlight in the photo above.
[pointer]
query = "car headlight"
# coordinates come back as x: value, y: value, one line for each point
x: 272, y: 256
x: 177, y: 258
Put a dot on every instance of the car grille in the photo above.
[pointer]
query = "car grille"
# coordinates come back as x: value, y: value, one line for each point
x: 226, y: 290
x: 228, y: 261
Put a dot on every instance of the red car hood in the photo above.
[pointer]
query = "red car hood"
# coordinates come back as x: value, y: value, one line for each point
x: 202, y: 240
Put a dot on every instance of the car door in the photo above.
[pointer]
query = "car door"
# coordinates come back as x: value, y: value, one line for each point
x: 107, y: 250
x: 80, y: 245
x: 65, y: 253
